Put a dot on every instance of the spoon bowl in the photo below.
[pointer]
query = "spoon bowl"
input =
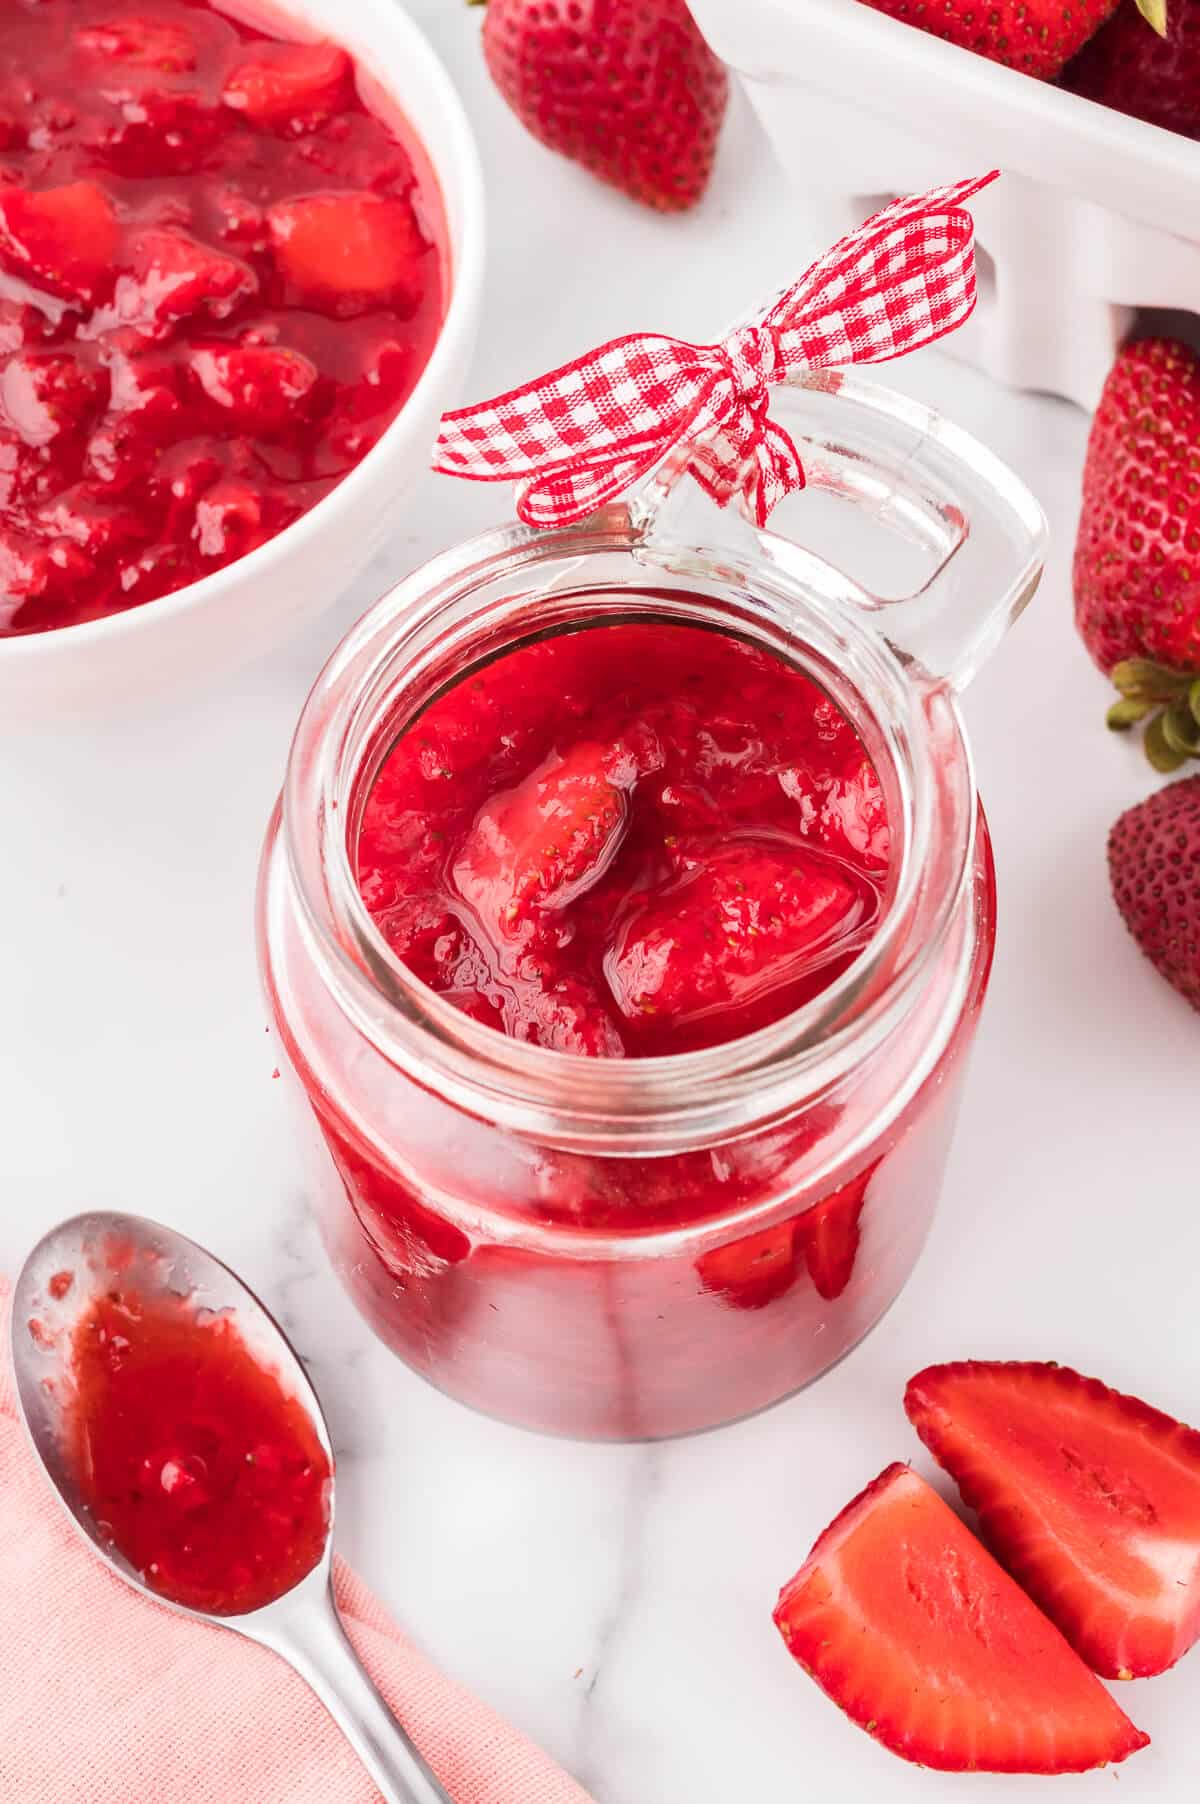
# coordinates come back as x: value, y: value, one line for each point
x: 94, y: 1251
x: 68, y: 1269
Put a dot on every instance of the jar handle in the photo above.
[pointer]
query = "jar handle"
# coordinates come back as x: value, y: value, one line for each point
x: 934, y: 485
x: 981, y: 533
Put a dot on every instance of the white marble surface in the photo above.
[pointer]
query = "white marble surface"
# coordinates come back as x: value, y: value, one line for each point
x: 615, y: 1602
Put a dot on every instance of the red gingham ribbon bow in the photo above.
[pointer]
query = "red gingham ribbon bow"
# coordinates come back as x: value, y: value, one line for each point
x: 583, y: 434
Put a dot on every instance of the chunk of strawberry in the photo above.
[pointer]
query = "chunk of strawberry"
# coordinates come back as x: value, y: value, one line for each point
x: 35, y: 570
x: 146, y: 43
x: 233, y: 516
x: 1089, y: 1498
x: 852, y: 819
x: 62, y: 240
x: 44, y: 394
x: 751, y: 1272
x: 289, y: 88
x: 18, y: 324
x: 911, y: 1627
x: 188, y: 471
x: 343, y: 442
x: 167, y: 130
x: 96, y: 526
x: 565, y: 1016
x: 345, y: 251
x: 831, y: 1235
x: 540, y: 845
x: 23, y: 469
x: 748, y: 917
x: 230, y: 521
x: 159, y: 570
x: 259, y: 388
x: 145, y: 414
x: 242, y: 220
x: 172, y: 276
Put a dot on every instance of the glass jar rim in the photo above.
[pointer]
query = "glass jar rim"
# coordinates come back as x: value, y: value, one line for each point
x: 758, y: 585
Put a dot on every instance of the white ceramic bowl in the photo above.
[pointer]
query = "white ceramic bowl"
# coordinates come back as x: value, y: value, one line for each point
x: 185, y: 639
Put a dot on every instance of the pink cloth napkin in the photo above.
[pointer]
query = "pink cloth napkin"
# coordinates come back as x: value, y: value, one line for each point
x: 107, y: 1699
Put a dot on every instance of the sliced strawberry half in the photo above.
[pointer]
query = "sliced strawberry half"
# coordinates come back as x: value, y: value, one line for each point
x: 60, y: 239
x: 751, y: 1272
x: 1091, y: 1499
x: 542, y: 843
x: 909, y: 1625
x: 747, y: 918
x: 831, y: 1235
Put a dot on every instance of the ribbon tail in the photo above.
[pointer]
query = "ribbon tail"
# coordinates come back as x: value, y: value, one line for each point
x: 901, y: 281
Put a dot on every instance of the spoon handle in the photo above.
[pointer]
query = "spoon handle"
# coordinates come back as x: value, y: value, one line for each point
x: 314, y: 1642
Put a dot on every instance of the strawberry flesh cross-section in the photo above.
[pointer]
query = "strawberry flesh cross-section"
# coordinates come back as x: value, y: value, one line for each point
x: 912, y: 1628
x: 544, y: 842
x: 1091, y: 1500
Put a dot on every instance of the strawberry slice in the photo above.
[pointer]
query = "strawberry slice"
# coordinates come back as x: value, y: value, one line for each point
x: 345, y: 251
x: 745, y: 919
x: 909, y: 1625
x: 289, y: 88
x: 831, y: 1235
x: 1091, y: 1499
x: 260, y: 388
x: 60, y: 239
x: 543, y: 843
x: 751, y: 1272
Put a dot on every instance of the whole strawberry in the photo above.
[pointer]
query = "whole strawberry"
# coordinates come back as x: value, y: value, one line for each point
x: 1137, y: 554
x: 628, y: 88
x: 1038, y: 37
x: 1131, y: 68
x: 1154, y: 869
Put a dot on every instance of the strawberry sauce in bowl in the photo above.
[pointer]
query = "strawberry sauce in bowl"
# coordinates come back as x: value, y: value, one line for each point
x: 237, y: 272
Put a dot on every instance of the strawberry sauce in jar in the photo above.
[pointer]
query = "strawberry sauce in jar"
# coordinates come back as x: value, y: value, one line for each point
x: 628, y: 963
x: 628, y: 841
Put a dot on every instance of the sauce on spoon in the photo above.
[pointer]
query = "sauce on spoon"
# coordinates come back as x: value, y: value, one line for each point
x: 189, y: 1455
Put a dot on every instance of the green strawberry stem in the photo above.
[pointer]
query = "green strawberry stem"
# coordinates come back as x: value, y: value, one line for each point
x: 1155, y: 14
x: 1168, y: 700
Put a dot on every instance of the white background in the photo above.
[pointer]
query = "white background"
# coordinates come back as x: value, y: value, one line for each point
x: 615, y: 1602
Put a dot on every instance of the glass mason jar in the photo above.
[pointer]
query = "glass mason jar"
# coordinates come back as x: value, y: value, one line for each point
x: 628, y: 1249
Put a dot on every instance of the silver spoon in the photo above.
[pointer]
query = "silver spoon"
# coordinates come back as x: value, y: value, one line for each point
x: 303, y: 1625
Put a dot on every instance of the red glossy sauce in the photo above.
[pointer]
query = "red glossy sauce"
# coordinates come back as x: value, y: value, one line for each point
x: 190, y: 1456
x: 629, y: 840
x: 220, y: 278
